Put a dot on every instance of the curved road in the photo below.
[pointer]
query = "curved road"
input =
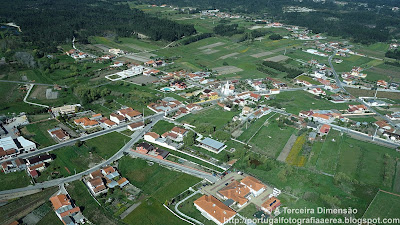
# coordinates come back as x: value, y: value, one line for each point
x: 137, y: 136
x: 83, y: 138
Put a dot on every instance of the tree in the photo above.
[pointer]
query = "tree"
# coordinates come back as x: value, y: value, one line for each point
x: 189, y: 139
x: 275, y: 37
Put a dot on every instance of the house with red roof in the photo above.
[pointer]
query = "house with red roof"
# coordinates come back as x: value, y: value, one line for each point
x: 214, y: 210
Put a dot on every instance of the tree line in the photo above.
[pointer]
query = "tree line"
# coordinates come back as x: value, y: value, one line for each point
x: 47, y: 24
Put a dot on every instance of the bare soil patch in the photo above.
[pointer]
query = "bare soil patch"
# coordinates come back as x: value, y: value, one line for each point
x: 277, y: 58
x: 211, y: 45
x: 227, y: 70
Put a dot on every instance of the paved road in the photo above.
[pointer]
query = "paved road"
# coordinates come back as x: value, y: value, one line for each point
x: 365, y: 137
x: 185, y: 169
x: 339, y: 83
x: 126, y: 148
x: 32, y: 103
x: 184, y: 215
x: 291, y: 89
x: 83, y: 138
x: 353, y: 133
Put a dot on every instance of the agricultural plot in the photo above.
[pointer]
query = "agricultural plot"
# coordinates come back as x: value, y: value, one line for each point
x: 271, y: 139
x: 159, y: 184
x: 363, y: 161
x: 37, y: 132
x: 215, y: 116
x: 294, y: 102
x: 327, y: 160
x: 227, y: 70
x: 352, y: 61
x: 385, y: 205
x: 277, y: 58
x: 72, y: 158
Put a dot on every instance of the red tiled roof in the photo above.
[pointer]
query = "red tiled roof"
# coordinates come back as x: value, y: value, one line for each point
x: 215, y: 208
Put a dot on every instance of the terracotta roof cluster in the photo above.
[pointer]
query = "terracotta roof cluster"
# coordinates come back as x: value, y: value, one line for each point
x: 252, y: 183
x: 129, y: 112
x: 235, y: 191
x: 86, y: 122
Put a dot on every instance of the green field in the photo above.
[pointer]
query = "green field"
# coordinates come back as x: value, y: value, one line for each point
x: 294, y: 102
x: 162, y: 126
x: 89, y: 207
x: 271, y: 139
x: 215, y: 116
x: 72, y: 158
x: 328, y: 156
x: 37, y: 133
x: 360, y: 160
x: 14, y: 180
x: 159, y: 184
x: 384, y: 205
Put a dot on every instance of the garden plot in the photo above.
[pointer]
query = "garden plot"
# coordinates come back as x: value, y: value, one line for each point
x: 262, y: 54
x: 277, y: 58
x: 227, y: 70
x: 211, y: 45
x: 209, y: 51
x: 229, y: 55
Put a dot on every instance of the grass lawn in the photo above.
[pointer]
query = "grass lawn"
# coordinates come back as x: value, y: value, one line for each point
x: 294, y: 102
x: 327, y: 160
x: 189, y: 209
x: 385, y: 205
x: 160, y: 184
x: 368, y: 119
x: 254, y: 126
x: 11, y: 99
x: 214, y: 115
x: 271, y: 139
x: 162, y: 126
x: 360, y: 160
x: 37, y: 133
x: 89, y: 207
x: 14, y: 180
x: 249, y: 211
x: 50, y: 218
x: 71, y: 158
x: 155, y: 180
x: 308, y: 79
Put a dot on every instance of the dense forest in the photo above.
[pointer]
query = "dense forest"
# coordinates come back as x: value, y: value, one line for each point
x: 47, y: 23
x: 365, y: 23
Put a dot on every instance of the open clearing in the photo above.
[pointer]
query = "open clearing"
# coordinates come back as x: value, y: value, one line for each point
x: 384, y: 205
x: 211, y: 45
x: 227, y: 70
x: 142, y: 79
x: 209, y: 51
x: 262, y: 54
x: 277, y: 58
x: 229, y: 55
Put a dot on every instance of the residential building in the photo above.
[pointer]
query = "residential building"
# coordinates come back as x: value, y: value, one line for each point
x: 129, y: 113
x: 86, y: 123
x: 255, y: 186
x: 212, y: 145
x: 322, y: 118
x: 270, y: 205
x: 66, y: 211
x: 213, y: 209
x: 357, y: 109
x: 96, y: 186
x: 58, y: 134
x: 135, y: 126
x: 117, y: 118
x: 324, y: 130
x: 384, y: 126
x: 237, y: 192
